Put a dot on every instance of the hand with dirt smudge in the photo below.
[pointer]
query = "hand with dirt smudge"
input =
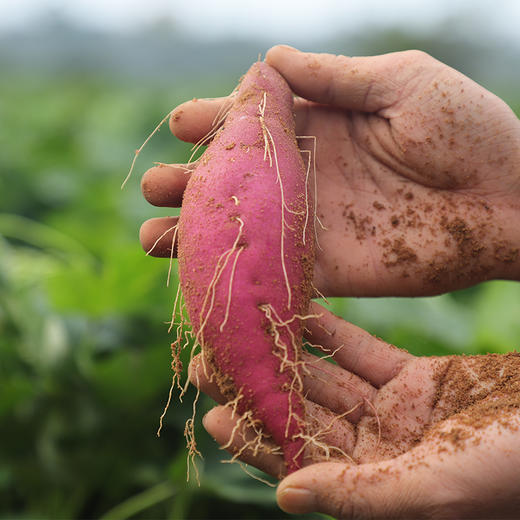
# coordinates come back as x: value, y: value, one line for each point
x: 402, y: 436
x: 417, y: 166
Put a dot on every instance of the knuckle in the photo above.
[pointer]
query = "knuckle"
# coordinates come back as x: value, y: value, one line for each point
x: 417, y: 56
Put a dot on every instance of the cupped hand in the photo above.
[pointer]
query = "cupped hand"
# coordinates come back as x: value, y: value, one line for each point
x: 403, y: 436
x: 417, y: 170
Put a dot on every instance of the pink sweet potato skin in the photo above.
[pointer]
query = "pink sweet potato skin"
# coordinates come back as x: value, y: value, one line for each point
x: 234, y: 192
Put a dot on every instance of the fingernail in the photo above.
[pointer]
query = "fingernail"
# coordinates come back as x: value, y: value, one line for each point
x: 289, y: 48
x: 297, y: 500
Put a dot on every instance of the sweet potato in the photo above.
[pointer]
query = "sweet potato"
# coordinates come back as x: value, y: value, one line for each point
x: 246, y: 257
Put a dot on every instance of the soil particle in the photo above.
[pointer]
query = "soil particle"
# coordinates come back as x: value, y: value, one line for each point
x: 504, y: 252
x: 463, y: 257
x: 467, y: 244
x: 398, y: 253
x: 362, y: 225
x: 475, y: 392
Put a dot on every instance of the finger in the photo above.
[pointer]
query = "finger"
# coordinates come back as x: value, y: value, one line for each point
x: 323, y: 383
x: 367, y: 84
x: 164, y: 184
x: 201, y: 375
x: 157, y: 236
x: 221, y: 424
x: 337, y: 389
x: 355, y: 349
x: 329, y: 437
x: 400, y: 488
x: 445, y: 476
x: 196, y: 119
x: 326, y: 427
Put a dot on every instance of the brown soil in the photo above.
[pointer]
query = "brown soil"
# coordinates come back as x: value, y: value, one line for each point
x: 474, y: 392
x: 398, y: 253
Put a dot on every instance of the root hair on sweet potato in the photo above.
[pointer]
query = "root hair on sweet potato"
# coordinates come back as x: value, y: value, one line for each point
x: 378, y: 420
x: 172, y: 228
x: 319, y: 294
x: 327, y: 356
x: 219, y: 119
x: 224, y: 109
x: 172, y: 250
x: 304, y: 233
x: 172, y: 322
x: 230, y: 289
x: 268, y: 142
x: 245, y: 425
x: 313, y: 154
x: 315, y: 442
x: 219, y: 269
x: 252, y: 475
x: 295, y: 367
x: 191, y: 444
x: 139, y: 150
x: 176, y: 348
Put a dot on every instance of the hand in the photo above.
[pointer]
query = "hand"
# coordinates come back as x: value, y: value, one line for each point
x: 426, y: 438
x: 418, y: 172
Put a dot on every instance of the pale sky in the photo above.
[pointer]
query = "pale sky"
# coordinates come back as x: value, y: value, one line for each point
x: 279, y: 19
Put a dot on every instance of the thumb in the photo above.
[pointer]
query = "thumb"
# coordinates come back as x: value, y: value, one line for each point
x: 380, y: 490
x: 366, y: 84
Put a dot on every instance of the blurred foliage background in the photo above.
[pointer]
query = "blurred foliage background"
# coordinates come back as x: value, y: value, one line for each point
x: 84, y: 349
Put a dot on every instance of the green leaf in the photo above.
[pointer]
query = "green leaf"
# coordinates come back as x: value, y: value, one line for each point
x: 498, y: 317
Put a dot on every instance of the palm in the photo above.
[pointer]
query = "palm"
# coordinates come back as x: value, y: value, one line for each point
x: 403, y: 193
x: 400, y: 413
x: 387, y: 407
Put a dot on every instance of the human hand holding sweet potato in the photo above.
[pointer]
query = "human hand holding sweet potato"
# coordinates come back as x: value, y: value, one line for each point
x: 432, y: 437
x: 418, y: 172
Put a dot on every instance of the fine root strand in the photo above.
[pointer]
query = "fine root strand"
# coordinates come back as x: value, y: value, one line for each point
x: 374, y: 410
x: 321, y: 446
x: 161, y: 418
x: 289, y: 357
x: 177, y: 347
x: 268, y: 142
x: 304, y: 237
x: 222, y: 261
x: 230, y: 289
x: 189, y: 433
x: 174, y: 229
x: 252, y: 475
x: 315, y: 175
x: 219, y: 119
x: 174, y: 238
x: 246, y: 423
x: 320, y: 294
x: 138, y: 151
